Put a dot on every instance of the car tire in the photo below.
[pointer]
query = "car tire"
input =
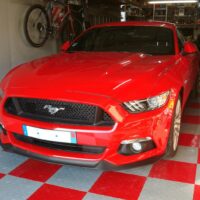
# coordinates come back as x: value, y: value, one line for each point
x: 27, y: 20
x: 172, y: 145
x: 196, y: 86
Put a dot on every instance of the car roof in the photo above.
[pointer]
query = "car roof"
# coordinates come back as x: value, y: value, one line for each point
x: 140, y: 23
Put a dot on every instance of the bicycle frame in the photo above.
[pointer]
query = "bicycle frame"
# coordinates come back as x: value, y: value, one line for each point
x: 57, y: 13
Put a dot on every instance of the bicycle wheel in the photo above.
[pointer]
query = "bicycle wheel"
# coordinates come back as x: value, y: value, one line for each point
x: 67, y: 32
x: 36, y: 25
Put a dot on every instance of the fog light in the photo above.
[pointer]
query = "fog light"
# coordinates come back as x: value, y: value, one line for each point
x: 2, y: 129
x: 137, y: 146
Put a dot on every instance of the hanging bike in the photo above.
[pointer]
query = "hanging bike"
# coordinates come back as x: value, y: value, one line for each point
x: 55, y: 19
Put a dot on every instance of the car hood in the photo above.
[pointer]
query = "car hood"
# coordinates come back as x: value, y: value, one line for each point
x: 117, y: 75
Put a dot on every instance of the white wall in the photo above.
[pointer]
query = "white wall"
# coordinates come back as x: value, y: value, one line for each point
x: 14, y: 49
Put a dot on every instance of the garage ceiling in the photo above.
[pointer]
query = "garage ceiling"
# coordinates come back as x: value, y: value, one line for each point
x: 117, y: 2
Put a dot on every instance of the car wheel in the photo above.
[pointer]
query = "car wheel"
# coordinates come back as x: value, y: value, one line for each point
x: 172, y: 145
x: 197, y: 85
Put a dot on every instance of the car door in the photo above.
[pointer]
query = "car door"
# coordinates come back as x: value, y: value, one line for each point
x: 190, y: 66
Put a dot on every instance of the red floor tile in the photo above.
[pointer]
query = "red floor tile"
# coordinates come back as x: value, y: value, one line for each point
x: 199, y: 157
x: 174, y: 170
x: 1, y: 175
x: 189, y: 140
x: 52, y: 192
x: 191, y: 119
x: 119, y: 185
x: 35, y: 170
x: 196, y: 192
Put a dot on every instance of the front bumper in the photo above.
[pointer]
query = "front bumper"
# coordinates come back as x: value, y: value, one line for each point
x: 155, y: 124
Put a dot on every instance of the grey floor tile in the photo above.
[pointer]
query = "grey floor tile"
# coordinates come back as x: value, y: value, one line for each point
x: 186, y: 154
x: 198, y: 175
x: 141, y: 170
x: 13, y: 188
x: 157, y: 189
x: 9, y: 161
x: 75, y: 177
x: 90, y: 196
x: 190, y: 128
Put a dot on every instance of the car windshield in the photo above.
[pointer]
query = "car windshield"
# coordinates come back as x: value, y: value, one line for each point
x: 141, y: 39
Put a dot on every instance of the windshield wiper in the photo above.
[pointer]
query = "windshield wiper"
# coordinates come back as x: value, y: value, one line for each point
x: 70, y: 51
x: 140, y: 52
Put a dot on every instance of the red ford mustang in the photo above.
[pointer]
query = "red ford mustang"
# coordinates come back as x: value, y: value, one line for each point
x: 114, y: 95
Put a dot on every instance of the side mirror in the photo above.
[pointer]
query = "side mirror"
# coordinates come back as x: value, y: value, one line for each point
x: 65, y: 46
x: 190, y: 48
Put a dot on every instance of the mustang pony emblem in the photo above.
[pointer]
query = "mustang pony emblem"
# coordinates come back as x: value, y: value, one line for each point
x: 52, y: 110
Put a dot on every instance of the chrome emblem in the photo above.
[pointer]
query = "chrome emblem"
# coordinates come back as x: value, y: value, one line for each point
x: 52, y: 110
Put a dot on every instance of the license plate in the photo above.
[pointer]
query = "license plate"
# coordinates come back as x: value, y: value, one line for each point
x: 50, y: 135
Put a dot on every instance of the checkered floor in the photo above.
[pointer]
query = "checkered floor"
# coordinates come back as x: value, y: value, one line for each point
x: 174, y: 179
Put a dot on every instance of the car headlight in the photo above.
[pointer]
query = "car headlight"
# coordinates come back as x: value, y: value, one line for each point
x: 138, y: 106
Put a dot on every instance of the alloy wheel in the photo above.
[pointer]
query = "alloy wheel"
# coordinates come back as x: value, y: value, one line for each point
x: 177, y: 125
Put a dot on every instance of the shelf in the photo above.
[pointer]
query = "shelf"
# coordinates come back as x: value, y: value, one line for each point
x: 186, y: 25
x: 159, y: 15
x: 160, y: 8
x: 185, y: 16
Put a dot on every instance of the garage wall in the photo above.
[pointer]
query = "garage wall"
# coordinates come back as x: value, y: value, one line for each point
x: 14, y: 49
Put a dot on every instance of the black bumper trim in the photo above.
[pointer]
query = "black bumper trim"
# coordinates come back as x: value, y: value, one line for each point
x: 67, y: 147
x: 98, y: 165
x: 10, y: 148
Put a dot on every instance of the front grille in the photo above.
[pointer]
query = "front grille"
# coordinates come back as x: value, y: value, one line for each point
x: 60, y: 146
x: 69, y: 113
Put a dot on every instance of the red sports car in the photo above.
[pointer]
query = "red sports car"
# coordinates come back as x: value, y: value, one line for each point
x: 114, y: 95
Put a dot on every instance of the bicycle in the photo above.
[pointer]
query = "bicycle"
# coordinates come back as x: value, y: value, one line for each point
x: 53, y: 19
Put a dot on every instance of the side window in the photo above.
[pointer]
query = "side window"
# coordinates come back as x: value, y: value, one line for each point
x: 181, y: 40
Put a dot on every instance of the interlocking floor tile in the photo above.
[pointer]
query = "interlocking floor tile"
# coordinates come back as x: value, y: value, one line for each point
x: 90, y: 196
x: 174, y: 170
x: 190, y: 128
x: 186, y: 154
x: 2, y: 175
x: 191, y: 119
x: 199, y: 157
x: 196, y: 192
x: 13, y: 188
x: 9, y: 161
x: 198, y: 176
x: 52, y: 192
x: 157, y: 189
x: 73, y: 177
x: 35, y: 170
x: 189, y: 140
x: 141, y: 170
x: 119, y: 185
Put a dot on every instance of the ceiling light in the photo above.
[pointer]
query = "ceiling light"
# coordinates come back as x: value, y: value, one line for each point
x: 171, y: 1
